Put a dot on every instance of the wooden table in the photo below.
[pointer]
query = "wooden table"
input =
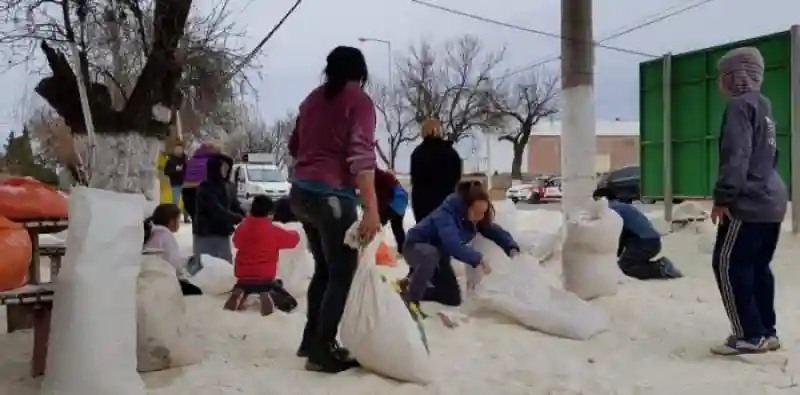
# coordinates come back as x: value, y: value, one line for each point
x: 32, y: 303
x: 29, y: 307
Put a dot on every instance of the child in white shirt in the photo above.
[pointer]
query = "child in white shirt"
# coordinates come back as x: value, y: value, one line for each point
x: 158, y: 234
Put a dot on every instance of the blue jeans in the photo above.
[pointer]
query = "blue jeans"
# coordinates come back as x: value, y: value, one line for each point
x: 176, y: 194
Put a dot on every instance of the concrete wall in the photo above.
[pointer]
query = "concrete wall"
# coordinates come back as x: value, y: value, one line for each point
x: 544, y: 153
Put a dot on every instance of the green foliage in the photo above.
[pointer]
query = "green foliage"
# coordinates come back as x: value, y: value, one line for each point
x: 21, y: 161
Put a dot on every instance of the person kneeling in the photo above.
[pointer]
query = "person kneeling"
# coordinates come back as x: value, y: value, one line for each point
x: 639, y: 243
x: 259, y: 242
x: 446, y: 233
x: 159, y: 234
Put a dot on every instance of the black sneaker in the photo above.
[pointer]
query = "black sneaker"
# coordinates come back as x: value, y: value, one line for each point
x: 339, y: 351
x: 330, y: 361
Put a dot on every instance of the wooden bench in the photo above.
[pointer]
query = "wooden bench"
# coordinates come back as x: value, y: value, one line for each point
x: 29, y: 307
x: 32, y: 303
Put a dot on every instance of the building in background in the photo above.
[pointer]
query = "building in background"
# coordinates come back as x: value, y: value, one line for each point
x: 617, y: 146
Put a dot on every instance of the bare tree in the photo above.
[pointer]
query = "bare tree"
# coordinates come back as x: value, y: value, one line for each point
x: 454, y: 84
x: 526, y: 101
x: 256, y: 135
x: 152, y: 72
x: 397, y: 119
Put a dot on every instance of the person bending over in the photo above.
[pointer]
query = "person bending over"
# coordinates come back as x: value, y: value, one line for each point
x: 258, y: 243
x: 639, y: 242
x: 159, y: 231
x: 392, y: 204
x: 446, y: 234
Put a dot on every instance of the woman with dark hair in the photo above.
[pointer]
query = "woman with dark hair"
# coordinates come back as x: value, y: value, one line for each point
x: 333, y: 152
x: 159, y: 234
x: 446, y: 233
x: 435, y: 170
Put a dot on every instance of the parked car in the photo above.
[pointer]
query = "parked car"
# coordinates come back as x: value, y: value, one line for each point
x: 552, y: 188
x: 623, y: 182
x: 520, y: 193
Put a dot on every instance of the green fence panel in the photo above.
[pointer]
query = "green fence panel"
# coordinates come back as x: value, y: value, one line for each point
x: 697, y: 108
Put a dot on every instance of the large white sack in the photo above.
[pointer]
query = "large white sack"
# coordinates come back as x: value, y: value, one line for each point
x: 379, y: 330
x: 216, y: 277
x: 163, y: 337
x: 92, y: 347
x: 296, y: 266
x: 589, y: 256
x: 505, y: 214
x: 519, y: 289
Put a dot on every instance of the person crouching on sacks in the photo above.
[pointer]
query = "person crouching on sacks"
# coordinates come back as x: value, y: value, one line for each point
x: 639, y: 242
x: 445, y: 234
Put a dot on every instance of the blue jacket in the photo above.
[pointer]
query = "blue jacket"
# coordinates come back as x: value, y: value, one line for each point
x: 448, y: 229
x: 634, y: 221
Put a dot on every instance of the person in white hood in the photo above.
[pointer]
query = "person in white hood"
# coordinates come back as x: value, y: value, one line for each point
x: 159, y: 231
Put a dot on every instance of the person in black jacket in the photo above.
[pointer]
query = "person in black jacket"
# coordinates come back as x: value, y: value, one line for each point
x: 435, y: 170
x: 175, y: 170
x: 218, y: 210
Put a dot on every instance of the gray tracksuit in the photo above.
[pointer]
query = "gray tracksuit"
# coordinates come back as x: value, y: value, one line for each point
x: 748, y: 182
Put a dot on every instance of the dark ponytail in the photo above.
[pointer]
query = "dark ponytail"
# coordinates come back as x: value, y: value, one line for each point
x: 344, y: 64
x: 148, y: 229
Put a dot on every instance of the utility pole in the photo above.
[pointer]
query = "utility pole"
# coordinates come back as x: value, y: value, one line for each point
x: 578, y: 140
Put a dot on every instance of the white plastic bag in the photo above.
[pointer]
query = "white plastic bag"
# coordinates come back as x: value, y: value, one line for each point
x: 163, y: 337
x: 216, y: 277
x: 589, y: 255
x: 296, y: 266
x: 378, y: 329
x: 92, y: 347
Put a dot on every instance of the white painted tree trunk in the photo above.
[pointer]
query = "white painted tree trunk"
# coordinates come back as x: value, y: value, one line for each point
x: 124, y: 163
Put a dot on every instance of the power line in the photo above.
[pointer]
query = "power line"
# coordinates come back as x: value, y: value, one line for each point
x: 647, y: 21
x: 524, y: 29
x: 650, y: 20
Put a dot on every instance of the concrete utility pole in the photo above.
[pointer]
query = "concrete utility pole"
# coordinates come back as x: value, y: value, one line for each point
x: 578, y: 141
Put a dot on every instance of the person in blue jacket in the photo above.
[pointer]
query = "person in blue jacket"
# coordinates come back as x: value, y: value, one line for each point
x: 445, y: 234
x: 639, y: 242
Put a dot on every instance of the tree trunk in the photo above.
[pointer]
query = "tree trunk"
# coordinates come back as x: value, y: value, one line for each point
x: 516, y: 162
x: 125, y: 163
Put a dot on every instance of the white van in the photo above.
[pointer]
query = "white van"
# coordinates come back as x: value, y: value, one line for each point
x: 259, y: 177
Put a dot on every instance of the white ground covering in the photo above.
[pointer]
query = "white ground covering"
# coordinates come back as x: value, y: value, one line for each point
x: 658, y: 344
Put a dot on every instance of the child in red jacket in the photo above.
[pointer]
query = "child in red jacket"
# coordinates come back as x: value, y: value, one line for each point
x: 258, y: 242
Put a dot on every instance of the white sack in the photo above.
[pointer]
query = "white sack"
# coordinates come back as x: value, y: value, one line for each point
x: 378, y: 329
x: 93, y: 333
x: 216, y: 276
x: 296, y: 266
x: 707, y: 235
x: 163, y: 337
x: 589, y: 254
x: 505, y: 214
x: 519, y: 289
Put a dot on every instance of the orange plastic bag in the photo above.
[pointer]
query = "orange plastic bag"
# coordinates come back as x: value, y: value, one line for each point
x: 16, y: 246
x: 384, y: 256
x: 26, y: 198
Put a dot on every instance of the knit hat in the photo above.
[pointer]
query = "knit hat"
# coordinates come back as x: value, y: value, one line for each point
x: 741, y: 70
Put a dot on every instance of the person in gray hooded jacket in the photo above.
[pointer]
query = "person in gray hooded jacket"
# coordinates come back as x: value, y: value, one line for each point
x: 749, y: 205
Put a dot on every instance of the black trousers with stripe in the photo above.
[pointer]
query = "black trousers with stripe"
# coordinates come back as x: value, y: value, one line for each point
x: 742, y: 255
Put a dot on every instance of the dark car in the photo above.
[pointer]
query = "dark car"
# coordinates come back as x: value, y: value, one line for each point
x: 623, y: 182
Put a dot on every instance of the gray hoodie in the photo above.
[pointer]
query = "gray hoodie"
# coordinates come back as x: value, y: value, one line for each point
x: 749, y: 183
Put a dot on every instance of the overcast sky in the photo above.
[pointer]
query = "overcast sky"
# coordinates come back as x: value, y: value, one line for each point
x: 293, y: 60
